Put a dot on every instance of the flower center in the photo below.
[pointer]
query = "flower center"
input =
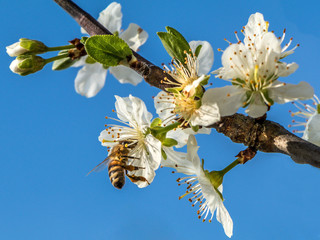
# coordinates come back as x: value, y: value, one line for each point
x: 185, y: 73
x: 186, y: 107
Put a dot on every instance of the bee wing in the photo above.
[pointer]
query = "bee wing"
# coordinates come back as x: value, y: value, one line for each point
x: 101, y: 165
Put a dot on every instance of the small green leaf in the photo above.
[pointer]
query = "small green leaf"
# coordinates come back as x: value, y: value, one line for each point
x: 63, y: 63
x: 318, y: 108
x: 169, y: 142
x: 198, y: 49
x: 107, y: 49
x: 205, y: 80
x: 164, y: 155
x: 178, y: 36
x: 175, y: 44
x: 156, y: 123
x: 83, y: 40
x: 195, y: 128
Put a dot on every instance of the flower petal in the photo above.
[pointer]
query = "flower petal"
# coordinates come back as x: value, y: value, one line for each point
x: 125, y: 75
x: 257, y: 106
x: 149, y: 159
x: 283, y: 93
x: 134, y: 36
x: 286, y: 69
x: 312, y: 131
x: 111, y: 17
x: 133, y: 110
x: 255, y: 27
x: 229, y: 99
x: 205, y: 56
x: 164, y: 104
x: 90, y: 79
x: 206, y: 115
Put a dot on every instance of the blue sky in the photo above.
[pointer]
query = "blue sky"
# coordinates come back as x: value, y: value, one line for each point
x: 49, y: 134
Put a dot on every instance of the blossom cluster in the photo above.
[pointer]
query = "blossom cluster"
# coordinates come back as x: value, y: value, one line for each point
x: 252, y: 66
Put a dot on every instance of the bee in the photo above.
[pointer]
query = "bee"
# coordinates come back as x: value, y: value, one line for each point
x: 118, y: 166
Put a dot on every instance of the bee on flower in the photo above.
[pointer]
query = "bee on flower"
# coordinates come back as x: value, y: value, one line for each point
x: 142, y: 150
x: 253, y: 67
x: 311, y: 116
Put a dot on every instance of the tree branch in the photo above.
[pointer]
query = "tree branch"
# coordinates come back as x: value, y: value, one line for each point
x: 151, y: 73
x: 266, y: 136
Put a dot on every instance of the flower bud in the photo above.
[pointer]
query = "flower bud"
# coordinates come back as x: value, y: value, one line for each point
x: 26, y: 46
x: 27, y: 64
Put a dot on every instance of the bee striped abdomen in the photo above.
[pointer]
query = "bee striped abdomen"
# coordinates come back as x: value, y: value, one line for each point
x: 116, y: 173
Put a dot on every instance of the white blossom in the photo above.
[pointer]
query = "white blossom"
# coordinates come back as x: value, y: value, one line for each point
x: 91, y: 77
x: 145, y: 150
x: 199, y: 187
x: 173, y: 107
x: 253, y: 67
x: 311, y: 116
x: 182, y: 105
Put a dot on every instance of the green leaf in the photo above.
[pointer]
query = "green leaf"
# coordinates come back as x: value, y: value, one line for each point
x: 107, y: 49
x: 164, y: 155
x: 195, y: 128
x: 83, y: 40
x: 63, y: 63
x: 169, y: 142
x: 156, y: 123
x: 90, y: 60
x: 175, y: 44
x: 198, y: 49
x: 178, y: 36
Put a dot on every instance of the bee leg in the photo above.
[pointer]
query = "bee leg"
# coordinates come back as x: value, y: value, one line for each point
x: 134, y: 178
x: 131, y: 168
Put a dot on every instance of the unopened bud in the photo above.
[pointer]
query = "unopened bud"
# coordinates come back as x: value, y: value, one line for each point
x: 26, y: 46
x: 27, y: 64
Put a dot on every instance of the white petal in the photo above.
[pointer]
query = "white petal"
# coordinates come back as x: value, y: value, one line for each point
x: 111, y: 17
x: 283, y: 93
x: 236, y: 61
x: 312, y: 132
x: 149, y: 160
x: 180, y: 136
x: 224, y: 218
x: 134, y: 36
x: 15, y: 49
x: 90, y: 79
x: 205, y: 56
x: 125, y: 75
x: 133, y: 110
x: 178, y: 161
x: 164, y: 104
x: 206, y: 115
x: 81, y: 62
x: 255, y: 27
x: 214, y: 202
x: 153, y: 147
x: 229, y: 99
x: 286, y: 69
x: 257, y: 106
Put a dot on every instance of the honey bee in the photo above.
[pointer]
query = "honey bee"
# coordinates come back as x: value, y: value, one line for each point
x: 118, y: 166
